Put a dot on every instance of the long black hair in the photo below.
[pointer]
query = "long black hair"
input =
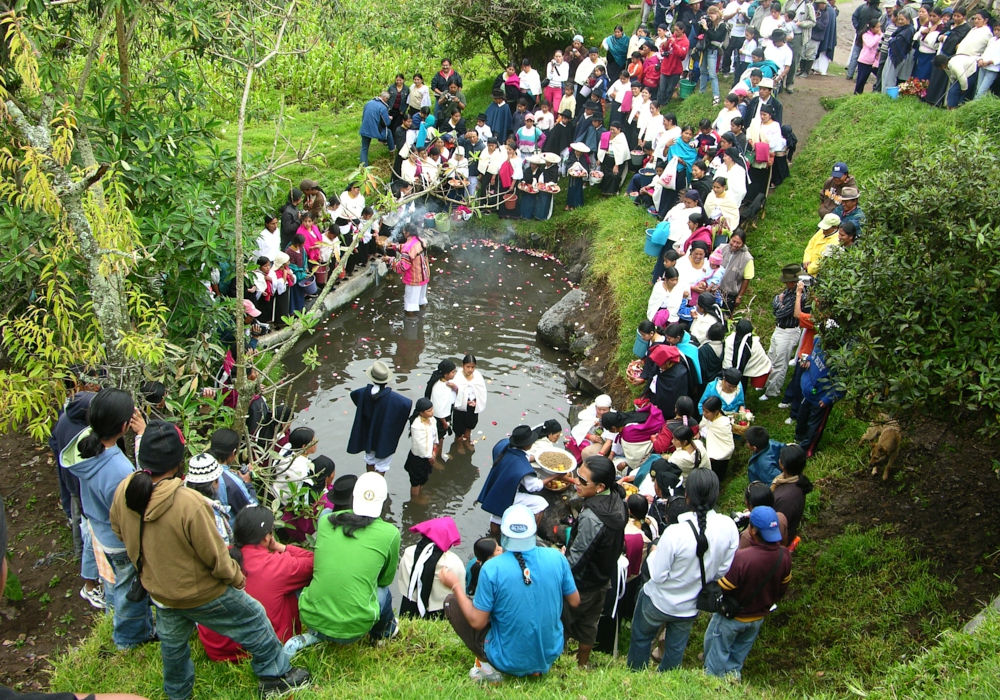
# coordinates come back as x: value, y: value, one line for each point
x: 702, y: 490
x: 483, y: 549
x: 444, y: 367
x: 349, y: 521
x: 109, y: 411
x: 685, y: 408
x: 684, y: 433
x: 251, y: 526
x: 602, y: 471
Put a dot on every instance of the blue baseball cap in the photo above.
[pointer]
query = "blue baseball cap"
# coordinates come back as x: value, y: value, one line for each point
x: 766, y: 521
x: 839, y: 170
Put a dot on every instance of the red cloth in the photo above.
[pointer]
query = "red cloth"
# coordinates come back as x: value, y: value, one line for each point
x: 663, y: 443
x: 703, y: 233
x: 634, y: 546
x: 651, y: 71
x: 273, y: 580
x: 673, y: 62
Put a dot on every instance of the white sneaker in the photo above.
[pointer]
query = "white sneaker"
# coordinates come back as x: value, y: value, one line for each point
x: 789, y: 421
x: 94, y: 596
x: 764, y: 397
x: 784, y: 404
x: 299, y: 642
x: 484, y: 673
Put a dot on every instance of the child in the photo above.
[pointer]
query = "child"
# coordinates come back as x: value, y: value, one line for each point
x: 529, y: 137
x: 310, y: 232
x: 689, y: 453
x: 746, y: 54
x: 485, y: 132
x: 729, y: 389
x: 544, y: 119
x: 789, y: 26
x: 713, y: 282
x: 423, y: 444
x: 640, y: 532
x: 707, y: 140
x: 520, y: 113
x: 483, y: 550
x: 718, y: 431
x: 203, y: 476
x: 568, y: 100
x: 600, y: 88
x: 868, y: 57
x: 763, y: 464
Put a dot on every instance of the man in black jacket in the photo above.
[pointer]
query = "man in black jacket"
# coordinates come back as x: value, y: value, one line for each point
x: 597, y: 540
x: 764, y: 97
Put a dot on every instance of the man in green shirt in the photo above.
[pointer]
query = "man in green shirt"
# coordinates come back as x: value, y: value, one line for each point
x: 356, y: 558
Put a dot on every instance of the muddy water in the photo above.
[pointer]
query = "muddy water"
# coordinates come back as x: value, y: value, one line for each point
x: 482, y: 301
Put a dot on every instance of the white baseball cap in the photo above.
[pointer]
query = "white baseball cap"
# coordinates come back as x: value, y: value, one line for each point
x: 370, y: 493
x: 518, y: 525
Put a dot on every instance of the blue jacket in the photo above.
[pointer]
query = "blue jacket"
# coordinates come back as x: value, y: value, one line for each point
x: 499, y: 120
x: 510, y: 465
x: 99, y: 477
x: 378, y: 422
x: 713, y: 390
x: 763, y: 465
x: 817, y: 383
x: 375, y: 120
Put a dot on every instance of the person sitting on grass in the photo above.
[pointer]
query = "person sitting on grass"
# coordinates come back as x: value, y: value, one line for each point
x: 758, y: 578
x: 357, y: 554
x: 791, y: 488
x: 513, y: 625
x: 763, y: 464
x: 423, y: 595
x: 275, y: 574
x: 483, y: 550
x: 729, y: 389
x: 689, y: 453
x: 183, y: 565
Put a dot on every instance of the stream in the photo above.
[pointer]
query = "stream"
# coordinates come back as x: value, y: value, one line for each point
x: 482, y: 300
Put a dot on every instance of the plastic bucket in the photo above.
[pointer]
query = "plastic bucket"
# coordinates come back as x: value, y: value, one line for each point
x: 687, y: 87
x: 321, y: 273
x: 640, y: 346
x: 636, y: 159
x: 585, y: 90
x: 442, y: 222
x: 652, y: 249
x: 892, y: 92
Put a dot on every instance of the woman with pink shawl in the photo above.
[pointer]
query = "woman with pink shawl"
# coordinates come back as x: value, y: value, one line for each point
x: 634, y: 432
x: 413, y: 268
x: 422, y: 592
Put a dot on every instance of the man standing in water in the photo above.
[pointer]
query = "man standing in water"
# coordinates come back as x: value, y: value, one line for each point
x: 512, y: 479
x: 379, y: 420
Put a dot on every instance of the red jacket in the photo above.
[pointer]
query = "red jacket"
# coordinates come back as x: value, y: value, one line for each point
x: 673, y: 62
x: 273, y: 580
x: 650, y: 71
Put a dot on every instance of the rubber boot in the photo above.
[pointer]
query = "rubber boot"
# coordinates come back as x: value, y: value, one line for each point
x: 804, y: 68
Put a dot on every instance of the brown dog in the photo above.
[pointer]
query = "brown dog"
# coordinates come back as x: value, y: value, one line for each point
x: 885, y: 436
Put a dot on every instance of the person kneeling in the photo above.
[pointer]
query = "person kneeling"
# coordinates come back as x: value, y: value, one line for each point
x: 513, y: 625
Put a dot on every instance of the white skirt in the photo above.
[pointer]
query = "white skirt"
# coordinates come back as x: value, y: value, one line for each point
x: 536, y: 504
x: 414, y: 296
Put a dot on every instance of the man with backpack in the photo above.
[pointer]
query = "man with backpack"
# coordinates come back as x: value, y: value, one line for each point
x: 756, y: 581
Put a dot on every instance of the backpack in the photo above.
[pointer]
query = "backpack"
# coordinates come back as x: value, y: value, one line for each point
x: 790, y: 138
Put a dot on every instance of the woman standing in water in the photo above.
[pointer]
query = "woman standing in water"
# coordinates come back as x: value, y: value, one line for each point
x: 414, y: 269
x: 471, y: 401
x: 442, y: 392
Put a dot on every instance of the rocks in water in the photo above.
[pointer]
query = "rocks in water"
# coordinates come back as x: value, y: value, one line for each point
x: 575, y: 273
x: 583, y: 345
x: 593, y: 380
x: 556, y: 325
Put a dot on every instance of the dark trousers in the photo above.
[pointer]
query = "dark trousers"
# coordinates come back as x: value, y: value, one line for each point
x: 735, y: 44
x: 474, y: 640
x: 720, y: 467
x: 793, y: 392
x: 810, y: 425
x: 864, y: 71
x: 668, y: 83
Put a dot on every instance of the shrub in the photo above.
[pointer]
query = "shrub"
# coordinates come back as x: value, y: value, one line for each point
x: 917, y: 301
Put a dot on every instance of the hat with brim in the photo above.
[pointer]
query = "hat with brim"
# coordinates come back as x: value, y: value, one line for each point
x: 766, y: 83
x: 480, y: 117
x: 580, y: 147
x: 522, y: 436
x: 342, y: 493
x: 536, y: 159
x: 849, y: 193
x: 518, y: 527
x: 281, y: 259
x: 203, y: 469
x: 249, y: 309
x: 566, y: 113
x: 765, y: 519
x: 379, y: 372
x: 551, y: 158
x: 790, y: 273
x: 308, y: 184
x: 829, y: 221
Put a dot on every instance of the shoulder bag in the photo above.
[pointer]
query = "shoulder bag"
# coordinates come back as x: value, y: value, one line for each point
x: 136, y: 591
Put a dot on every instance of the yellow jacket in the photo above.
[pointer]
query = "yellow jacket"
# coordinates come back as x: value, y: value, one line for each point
x: 813, y: 256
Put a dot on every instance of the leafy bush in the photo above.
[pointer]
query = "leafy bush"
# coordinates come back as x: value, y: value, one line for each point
x: 917, y: 301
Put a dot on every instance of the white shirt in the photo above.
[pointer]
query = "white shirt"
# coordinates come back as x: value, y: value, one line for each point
x: 443, y: 398
x: 557, y: 73
x: 724, y: 122
x: 544, y: 121
x: 781, y: 55
x: 618, y: 90
x: 665, y: 137
x: 291, y: 470
x: 449, y: 560
x: 586, y: 68
x: 268, y: 244
x: 423, y: 437
x: 353, y: 206
x: 767, y: 27
x: 718, y: 437
x: 531, y: 81
x: 675, y: 575
x: 484, y: 132
x: 737, y: 21
x: 662, y: 298
x: 992, y: 53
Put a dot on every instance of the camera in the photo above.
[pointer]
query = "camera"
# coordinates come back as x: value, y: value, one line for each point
x: 258, y: 329
x: 807, y: 280
x: 742, y: 519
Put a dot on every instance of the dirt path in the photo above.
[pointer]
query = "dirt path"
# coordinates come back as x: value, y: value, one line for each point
x: 802, y: 108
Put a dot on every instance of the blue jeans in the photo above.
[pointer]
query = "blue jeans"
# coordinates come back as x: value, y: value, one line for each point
x: 709, y: 68
x: 852, y: 62
x: 88, y: 565
x: 366, y: 142
x: 986, y: 78
x: 234, y: 614
x: 133, y: 621
x: 727, y: 643
x: 646, y: 623
x: 383, y: 628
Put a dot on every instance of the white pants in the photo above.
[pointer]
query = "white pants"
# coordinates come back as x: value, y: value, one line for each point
x: 381, y: 465
x: 783, y: 344
x: 536, y: 504
x: 414, y: 296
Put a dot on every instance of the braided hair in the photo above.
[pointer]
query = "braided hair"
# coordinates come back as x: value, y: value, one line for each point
x: 702, y: 490
x: 525, y: 572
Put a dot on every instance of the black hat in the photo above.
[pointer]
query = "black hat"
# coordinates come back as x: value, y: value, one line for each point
x: 481, y: 117
x: 732, y: 375
x: 161, y: 448
x: 591, y: 105
x: 342, y: 493
x: 566, y: 113
x: 522, y: 436
x: 597, y: 116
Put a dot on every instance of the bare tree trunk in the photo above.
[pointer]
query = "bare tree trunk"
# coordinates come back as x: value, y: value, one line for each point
x: 106, y: 291
x: 123, y: 67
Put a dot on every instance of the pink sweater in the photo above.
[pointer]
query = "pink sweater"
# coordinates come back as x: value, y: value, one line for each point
x: 869, y: 48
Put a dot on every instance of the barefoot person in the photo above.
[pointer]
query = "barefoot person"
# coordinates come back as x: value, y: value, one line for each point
x: 442, y: 391
x: 512, y: 480
x: 471, y: 401
x: 423, y: 436
x: 379, y: 420
x: 513, y: 624
x: 413, y: 268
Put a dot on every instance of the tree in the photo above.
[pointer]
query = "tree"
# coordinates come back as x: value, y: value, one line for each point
x: 915, y: 304
x: 509, y: 28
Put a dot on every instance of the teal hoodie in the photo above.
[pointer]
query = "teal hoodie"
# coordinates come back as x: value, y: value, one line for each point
x: 99, y: 477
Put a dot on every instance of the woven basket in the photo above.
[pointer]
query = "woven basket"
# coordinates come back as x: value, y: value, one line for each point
x: 739, y: 429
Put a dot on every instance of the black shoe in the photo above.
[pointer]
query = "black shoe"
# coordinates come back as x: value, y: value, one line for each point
x: 276, y: 686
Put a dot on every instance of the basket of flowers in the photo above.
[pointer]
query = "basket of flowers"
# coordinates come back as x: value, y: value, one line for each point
x: 742, y: 421
x: 915, y: 87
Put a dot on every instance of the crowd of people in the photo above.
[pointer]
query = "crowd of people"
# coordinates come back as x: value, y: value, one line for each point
x: 172, y: 543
